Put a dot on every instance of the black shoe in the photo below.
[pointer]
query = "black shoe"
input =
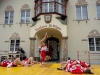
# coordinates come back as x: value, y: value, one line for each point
x: 59, y: 69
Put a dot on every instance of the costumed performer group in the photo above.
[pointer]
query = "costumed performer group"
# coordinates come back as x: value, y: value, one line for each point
x: 76, y: 67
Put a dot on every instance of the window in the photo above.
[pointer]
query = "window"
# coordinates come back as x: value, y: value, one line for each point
x: 47, y: 0
x: 94, y: 44
x: 25, y: 16
x: 81, y: 13
x: 50, y: 6
x: 9, y: 17
x: 59, y: 6
x: 14, y: 45
x: 98, y: 11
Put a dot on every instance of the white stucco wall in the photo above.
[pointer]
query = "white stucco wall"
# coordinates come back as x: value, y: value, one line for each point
x: 23, y: 30
x: 78, y: 31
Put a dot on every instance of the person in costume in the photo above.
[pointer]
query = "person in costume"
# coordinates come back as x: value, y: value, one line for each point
x: 43, y: 49
x: 76, y: 67
x: 17, y: 61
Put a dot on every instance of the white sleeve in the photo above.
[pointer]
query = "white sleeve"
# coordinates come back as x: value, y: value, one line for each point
x: 9, y: 65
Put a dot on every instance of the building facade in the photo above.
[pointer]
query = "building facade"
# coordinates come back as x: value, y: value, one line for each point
x: 72, y: 25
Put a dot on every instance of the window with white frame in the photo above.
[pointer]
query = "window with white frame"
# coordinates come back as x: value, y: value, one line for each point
x: 94, y: 44
x: 25, y: 16
x: 38, y: 10
x: 59, y: 6
x: 9, y: 17
x: 81, y: 13
x: 14, y: 44
x: 47, y: 0
x: 98, y: 11
x: 48, y: 7
x: 38, y: 7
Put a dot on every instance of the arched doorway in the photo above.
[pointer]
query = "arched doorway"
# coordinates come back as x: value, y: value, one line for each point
x: 53, y: 48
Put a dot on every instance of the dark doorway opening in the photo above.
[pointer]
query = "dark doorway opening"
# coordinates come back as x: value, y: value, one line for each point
x: 53, y: 48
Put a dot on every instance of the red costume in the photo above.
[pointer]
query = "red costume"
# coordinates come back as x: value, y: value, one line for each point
x: 84, y: 64
x: 77, y: 69
x: 68, y: 66
x: 43, y: 53
x: 6, y: 63
x: 71, y: 61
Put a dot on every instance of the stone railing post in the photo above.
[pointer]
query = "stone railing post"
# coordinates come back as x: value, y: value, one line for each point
x: 32, y: 46
x: 65, y: 49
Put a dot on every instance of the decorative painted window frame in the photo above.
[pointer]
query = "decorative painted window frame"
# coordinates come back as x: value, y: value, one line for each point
x: 81, y: 3
x: 25, y: 7
x: 93, y: 34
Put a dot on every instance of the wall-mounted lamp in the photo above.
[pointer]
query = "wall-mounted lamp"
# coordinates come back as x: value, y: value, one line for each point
x: 62, y: 17
x: 34, y: 19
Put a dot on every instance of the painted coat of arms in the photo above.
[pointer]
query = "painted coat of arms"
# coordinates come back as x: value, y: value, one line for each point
x: 47, y: 18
